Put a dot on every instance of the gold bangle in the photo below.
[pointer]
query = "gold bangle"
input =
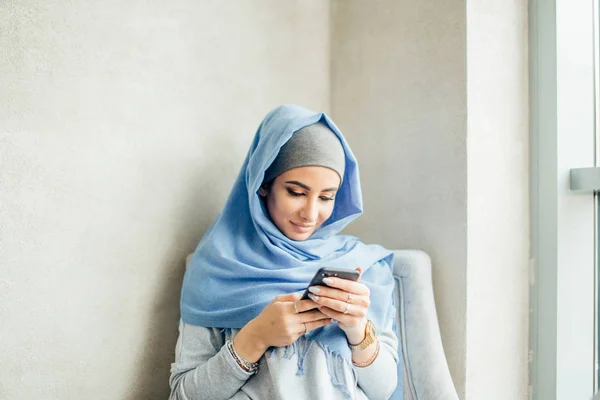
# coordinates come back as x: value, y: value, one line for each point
x: 370, y: 360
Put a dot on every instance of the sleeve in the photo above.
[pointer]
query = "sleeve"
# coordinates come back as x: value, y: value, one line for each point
x: 204, y: 368
x: 379, y: 379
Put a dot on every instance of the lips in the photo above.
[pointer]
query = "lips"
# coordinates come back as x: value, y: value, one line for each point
x: 302, y: 228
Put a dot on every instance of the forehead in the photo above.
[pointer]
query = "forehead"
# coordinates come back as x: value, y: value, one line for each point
x: 317, y: 177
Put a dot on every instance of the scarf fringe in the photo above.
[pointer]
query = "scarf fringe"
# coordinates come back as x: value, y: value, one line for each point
x: 336, y: 363
x: 335, y: 366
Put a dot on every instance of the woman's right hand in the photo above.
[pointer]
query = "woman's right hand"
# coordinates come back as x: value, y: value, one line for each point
x: 278, y: 325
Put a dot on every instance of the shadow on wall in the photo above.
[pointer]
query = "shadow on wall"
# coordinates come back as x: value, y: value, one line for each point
x: 151, y: 377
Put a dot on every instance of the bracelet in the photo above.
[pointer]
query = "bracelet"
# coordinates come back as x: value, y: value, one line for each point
x: 370, y: 360
x: 244, y: 364
x: 370, y: 337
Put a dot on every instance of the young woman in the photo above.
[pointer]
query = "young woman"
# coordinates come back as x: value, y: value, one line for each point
x: 244, y: 331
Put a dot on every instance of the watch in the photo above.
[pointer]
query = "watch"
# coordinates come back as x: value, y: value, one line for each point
x: 370, y: 336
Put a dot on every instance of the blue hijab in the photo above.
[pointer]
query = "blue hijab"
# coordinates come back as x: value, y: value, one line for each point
x: 243, y: 261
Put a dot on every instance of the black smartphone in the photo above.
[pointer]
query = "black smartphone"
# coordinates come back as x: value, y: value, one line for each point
x: 350, y: 274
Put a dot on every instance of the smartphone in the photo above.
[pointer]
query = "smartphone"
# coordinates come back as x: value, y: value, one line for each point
x: 325, y: 272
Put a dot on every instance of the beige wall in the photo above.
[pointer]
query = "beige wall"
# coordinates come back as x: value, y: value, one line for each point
x: 438, y: 121
x: 122, y: 128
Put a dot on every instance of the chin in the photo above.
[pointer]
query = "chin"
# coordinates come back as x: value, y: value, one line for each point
x: 299, y: 236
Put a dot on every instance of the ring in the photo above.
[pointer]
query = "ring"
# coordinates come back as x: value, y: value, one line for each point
x: 305, y: 328
x: 295, y: 303
x: 349, y: 297
x: 347, y: 308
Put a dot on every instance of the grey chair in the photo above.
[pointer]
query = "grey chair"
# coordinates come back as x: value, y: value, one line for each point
x: 424, y: 367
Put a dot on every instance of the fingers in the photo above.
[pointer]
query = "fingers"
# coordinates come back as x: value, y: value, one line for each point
x: 304, y: 305
x: 343, y: 319
x: 311, y: 316
x: 341, y: 299
x: 287, y: 297
x: 316, y: 324
x: 347, y: 286
x: 341, y: 307
x: 317, y: 292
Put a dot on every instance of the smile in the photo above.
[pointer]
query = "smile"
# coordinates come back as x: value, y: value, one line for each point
x: 302, y: 228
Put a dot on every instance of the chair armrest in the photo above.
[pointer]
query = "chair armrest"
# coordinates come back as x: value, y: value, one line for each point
x: 426, y: 368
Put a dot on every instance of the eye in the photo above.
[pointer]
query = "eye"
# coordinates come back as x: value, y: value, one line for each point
x: 295, y: 194
x: 325, y: 198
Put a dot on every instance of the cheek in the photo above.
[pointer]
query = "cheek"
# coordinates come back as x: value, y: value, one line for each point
x: 280, y: 207
x: 326, y: 213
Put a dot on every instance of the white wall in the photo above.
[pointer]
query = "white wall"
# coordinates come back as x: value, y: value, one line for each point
x: 122, y: 127
x: 433, y: 98
x: 498, y: 200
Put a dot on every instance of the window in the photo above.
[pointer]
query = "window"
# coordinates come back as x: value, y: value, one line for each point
x: 563, y: 119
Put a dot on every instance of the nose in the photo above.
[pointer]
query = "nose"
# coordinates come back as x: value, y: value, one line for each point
x: 310, y: 211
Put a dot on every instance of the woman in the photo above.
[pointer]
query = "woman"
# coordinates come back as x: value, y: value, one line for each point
x: 244, y: 332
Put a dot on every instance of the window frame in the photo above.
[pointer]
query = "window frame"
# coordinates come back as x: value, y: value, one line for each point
x: 563, y: 250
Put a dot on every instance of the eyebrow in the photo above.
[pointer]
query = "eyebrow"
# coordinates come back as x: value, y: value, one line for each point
x: 302, y: 185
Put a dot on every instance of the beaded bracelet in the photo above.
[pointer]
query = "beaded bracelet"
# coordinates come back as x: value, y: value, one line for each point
x: 245, y: 365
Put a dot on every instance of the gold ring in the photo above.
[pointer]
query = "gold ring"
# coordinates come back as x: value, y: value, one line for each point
x: 295, y: 303
x: 305, y: 328
x: 347, y: 308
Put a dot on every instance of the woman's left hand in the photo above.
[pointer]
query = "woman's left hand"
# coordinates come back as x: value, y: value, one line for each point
x: 345, y: 301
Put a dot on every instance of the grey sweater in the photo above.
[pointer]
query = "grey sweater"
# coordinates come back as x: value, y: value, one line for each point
x: 204, y: 369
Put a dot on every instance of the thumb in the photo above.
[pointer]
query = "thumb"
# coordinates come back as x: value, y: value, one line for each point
x: 359, y: 273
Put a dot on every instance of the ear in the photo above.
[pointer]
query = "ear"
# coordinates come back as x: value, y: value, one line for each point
x: 262, y: 191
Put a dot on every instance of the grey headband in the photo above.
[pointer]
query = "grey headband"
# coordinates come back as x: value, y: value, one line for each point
x: 313, y: 145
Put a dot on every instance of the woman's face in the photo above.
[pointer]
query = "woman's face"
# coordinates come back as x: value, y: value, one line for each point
x: 301, y: 199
